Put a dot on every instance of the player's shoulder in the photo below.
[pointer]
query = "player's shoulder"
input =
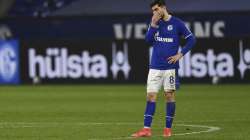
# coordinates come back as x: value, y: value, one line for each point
x: 177, y: 19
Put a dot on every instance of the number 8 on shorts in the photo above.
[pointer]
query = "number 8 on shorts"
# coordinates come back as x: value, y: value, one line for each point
x: 169, y: 80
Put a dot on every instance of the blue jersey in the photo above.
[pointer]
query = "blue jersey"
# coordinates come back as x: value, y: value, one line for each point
x: 166, y: 41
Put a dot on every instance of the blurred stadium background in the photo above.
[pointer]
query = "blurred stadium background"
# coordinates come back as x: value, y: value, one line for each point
x: 77, y: 69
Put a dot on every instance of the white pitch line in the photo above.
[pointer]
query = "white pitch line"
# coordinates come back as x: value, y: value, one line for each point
x: 209, y: 130
x: 58, y: 124
x: 109, y: 123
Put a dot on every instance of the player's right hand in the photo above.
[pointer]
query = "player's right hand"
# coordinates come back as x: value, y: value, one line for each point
x: 156, y: 17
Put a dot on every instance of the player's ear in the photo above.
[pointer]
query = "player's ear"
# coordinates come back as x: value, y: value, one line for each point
x: 164, y: 7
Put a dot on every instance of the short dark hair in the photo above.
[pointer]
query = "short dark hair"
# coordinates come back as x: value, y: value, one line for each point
x: 157, y: 2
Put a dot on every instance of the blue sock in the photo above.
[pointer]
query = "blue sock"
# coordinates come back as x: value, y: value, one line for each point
x: 170, y: 112
x: 149, y: 113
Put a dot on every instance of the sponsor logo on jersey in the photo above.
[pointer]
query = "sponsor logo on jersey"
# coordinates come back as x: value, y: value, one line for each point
x: 167, y: 40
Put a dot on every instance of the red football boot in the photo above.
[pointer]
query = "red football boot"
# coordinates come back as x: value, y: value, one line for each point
x: 167, y: 132
x: 144, y: 132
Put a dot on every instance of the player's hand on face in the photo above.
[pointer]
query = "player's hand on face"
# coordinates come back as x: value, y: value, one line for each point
x: 156, y: 17
x: 175, y: 58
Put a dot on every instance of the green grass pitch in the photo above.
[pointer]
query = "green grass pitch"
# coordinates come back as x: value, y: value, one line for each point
x: 114, y: 112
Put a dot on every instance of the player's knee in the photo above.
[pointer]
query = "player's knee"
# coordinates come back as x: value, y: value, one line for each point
x: 151, y: 97
x: 170, y: 97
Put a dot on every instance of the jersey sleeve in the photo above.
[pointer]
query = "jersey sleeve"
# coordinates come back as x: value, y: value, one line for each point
x: 150, y: 35
x: 189, y: 37
x: 183, y: 30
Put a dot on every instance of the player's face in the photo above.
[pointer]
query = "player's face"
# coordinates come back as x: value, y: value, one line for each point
x: 158, y: 9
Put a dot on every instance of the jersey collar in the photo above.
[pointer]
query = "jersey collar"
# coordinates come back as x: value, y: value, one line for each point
x: 170, y: 17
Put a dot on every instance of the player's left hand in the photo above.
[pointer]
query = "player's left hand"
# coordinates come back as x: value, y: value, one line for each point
x: 175, y: 58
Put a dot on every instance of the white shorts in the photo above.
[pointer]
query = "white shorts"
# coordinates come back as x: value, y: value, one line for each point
x: 159, y: 78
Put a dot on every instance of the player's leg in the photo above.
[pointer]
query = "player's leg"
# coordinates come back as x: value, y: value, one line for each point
x: 154, y: 84
x: 150, y: 109
x: 170, y: 112
x: 169, y: 91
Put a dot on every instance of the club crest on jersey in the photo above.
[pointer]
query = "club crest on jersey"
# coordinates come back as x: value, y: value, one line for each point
x: 170, y: 27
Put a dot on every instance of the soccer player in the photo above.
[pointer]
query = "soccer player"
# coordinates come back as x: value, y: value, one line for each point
x: 164, y: 35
